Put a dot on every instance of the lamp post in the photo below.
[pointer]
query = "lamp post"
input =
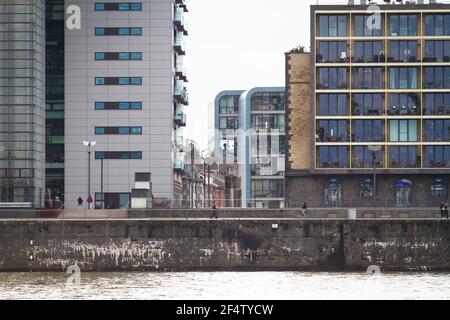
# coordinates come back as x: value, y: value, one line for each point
x: 374, y: 149
x: 89, y: 144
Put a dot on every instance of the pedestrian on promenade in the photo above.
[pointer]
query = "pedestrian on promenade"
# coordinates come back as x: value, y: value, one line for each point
x: 304, y: 209
x: 446, y: 210
x: 442, y: 209
x: 213, y: 213
x: 80, y: 203
x: 89, y: 201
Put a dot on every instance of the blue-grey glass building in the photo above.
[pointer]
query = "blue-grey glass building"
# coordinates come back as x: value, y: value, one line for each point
x: 22, y: 102
x: 250, y: 133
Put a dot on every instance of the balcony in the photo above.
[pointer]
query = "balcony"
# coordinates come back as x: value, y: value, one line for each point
x: 182, y: 4
x: 437, y: 111
x: 403, y: 111
x: 179, y: 163
x: 179, y: 21
x: 180, y: 116
x: 437, y: 164
x: 179, y: 43
x: 180, y: 94
x: 180, y: 71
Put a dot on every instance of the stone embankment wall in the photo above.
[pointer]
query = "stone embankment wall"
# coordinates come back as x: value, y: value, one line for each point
x: 224, y: 245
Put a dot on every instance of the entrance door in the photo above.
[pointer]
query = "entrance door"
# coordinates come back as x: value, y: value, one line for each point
x: 403, y: 193
x: 333, y: 192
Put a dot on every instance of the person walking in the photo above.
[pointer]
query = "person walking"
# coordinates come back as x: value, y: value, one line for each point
x: 80, y: 203
x: 441, y: 209
x: 89, y: 201
x: 304, y: 209
x: 213, y: 213
x: 446, y: 210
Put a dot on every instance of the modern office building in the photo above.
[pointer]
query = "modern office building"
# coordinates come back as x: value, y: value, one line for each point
x: 117, y: 81
x: 250, y: 135
x: 54, y: 98
x: 22, y: 102
x: 380, y: 97
x: 125, y: 90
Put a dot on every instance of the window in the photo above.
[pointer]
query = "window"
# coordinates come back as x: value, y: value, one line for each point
x: 124, y: 31
x: 437, y: 25
x: 118, y: 56
x: 112, y: 201
x: 333, y: 157
x: 135, y: 6
x: 437, y: 103
x: 368, y: 78
x: 404, y: 104
x: 437, y: 78
x: 267, y: 188
x: 99, y: 7
x: 99, y: 56
x: 333, y: 78
x: 135, y: 55
x: 268, y: 121
x: 118, y: 106
x: 403, y: 25
x: 118, y: 130
x: 437, y: 156
x: 367, y: 104
x: 136, y: 31
x: 267, y: 101
x: 99, y: 31
x: 402, y: 51
x: 228, y: 123
x: 333, y: 105
x: 404, y: 157
x: 118, y: 81
x: 403, y: 78
x: 366, y: 189
x: 437, y: 130
x: 368, y: 131
x: 362, y: 29
x: 118, y: 155
x: 403, y: 130
x: 333, y: 130
x: 439, y: 189
x: 369, y: 51
x: 332, y: 51
x: 333, y: 26
x: 230, y: 104
x: 363, y: 158
x: 333, y: 192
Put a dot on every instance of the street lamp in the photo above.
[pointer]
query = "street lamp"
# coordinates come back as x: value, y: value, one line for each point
x: 89, y: 144
x: 374, y: 149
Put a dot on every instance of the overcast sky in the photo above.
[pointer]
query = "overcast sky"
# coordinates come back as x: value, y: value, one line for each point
x: 238, y: 44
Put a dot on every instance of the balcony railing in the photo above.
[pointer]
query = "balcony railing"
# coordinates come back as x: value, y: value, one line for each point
x: 181, y: 71
x: 180, y: 116
x: 179, y: 163
x: 437, y: 164
x: 180, y: 21
x: 403, y: 111
x: 180, y: 94
x: 179, y: 43
x: 437, y: 111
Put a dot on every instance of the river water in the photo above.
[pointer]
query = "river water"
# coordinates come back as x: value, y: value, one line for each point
x: 229, y: 285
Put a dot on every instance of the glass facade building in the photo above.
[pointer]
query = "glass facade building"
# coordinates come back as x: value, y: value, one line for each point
x: 386, y: 86
x: 250, y: 136
x: 54, y: 107
x: 22, y: 102
x: 380, y: 86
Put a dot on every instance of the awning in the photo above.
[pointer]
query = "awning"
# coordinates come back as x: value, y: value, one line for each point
x: 403, y: 184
